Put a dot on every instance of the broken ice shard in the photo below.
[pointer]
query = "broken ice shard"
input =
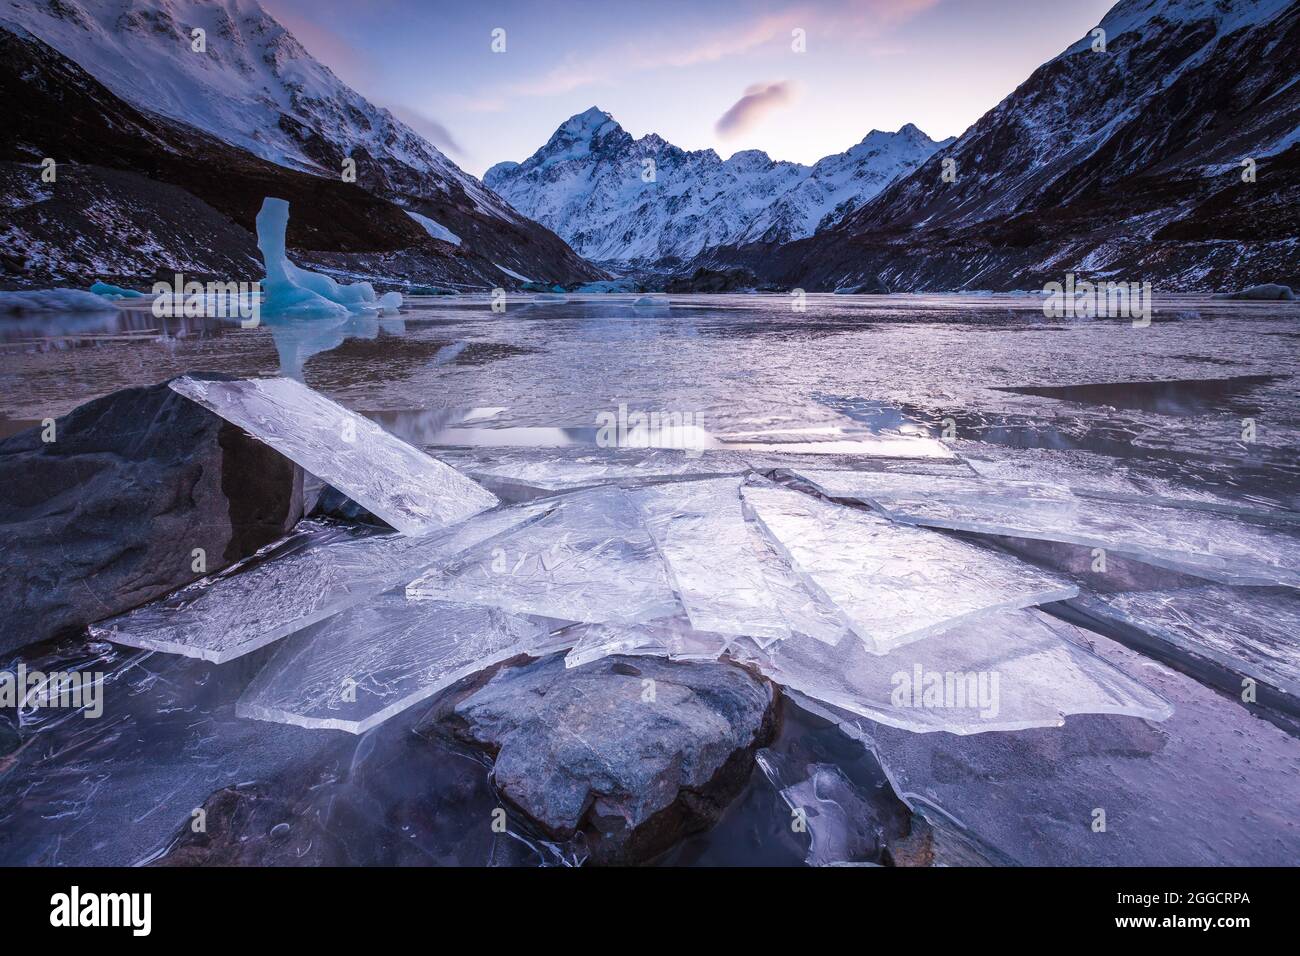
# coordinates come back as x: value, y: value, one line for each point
x: 590, y: 559
x: 1212, y: 785
x: 671, y: 638
x: 842, y: 823
x: 1006, y: 671
x: 1229, y: 548
x: 291, y: 292
x: 1247, y: 633
x: 374, y: 660
x: 707, y: 544
x: 317, y: 571
x: 414, y: 493
x: 892, y: 583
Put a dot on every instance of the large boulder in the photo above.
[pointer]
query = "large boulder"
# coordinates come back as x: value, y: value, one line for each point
x: 109, y: 515
x: 634, y: 753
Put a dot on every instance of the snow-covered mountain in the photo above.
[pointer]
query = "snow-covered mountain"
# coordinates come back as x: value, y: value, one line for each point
x: 619, y: 199
x: 1123, y: 163
x: 254, y: 86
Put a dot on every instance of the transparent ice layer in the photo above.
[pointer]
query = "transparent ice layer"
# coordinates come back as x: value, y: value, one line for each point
x: 590, y: 559
x: 1250, y: 632
x: 414, y: 493
x: 1223, y: 547
x: 892, y: 583
x: 708, y: 546
x: 1005, y: 671
x: 671, y: 638
x: 841, y: 825
x: 374, y: 660
x: 1211, y: 786
x: 317, y: 571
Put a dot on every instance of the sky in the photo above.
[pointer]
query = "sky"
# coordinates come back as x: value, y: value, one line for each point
x: 717, y: 74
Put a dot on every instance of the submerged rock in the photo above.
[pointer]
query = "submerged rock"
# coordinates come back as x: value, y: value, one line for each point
x: 109, y: 506
x: 634, y: 753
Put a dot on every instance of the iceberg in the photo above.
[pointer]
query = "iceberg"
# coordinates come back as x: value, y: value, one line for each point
x: 1231, y: 549
x: 376, y: 659
x: 115, y: 291
x: 41, y: 301
x: 319, y: 570
x: 289, y: 291
x: 590, y: 560
x: 892, y: 583
x: 706, y: 543
x: 414, y: 493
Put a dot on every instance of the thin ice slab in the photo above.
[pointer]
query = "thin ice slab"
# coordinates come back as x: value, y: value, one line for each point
x: 1251, y: 633
x: 893, y: 584
x: 1227, y: 548
x: 1006, y: 671
x: 376, y: 659
x: 318, y: 571
x: 708, y: 545
x: 672, y: 638
x: 414, y: 493
x: 590, y: 559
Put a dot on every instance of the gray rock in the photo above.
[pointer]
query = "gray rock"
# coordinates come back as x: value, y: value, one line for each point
x: 633, y: 752
x: 107, y: 516
x: 1270, y: 291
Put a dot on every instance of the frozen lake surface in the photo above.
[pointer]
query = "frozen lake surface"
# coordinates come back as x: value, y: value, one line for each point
x: 992, y: 446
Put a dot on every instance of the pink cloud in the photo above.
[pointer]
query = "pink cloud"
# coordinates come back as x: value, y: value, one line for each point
x: 759, y: 100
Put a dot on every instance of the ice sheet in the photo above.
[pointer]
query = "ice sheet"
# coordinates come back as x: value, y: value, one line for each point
x: 1211, y: 786
x: 591, y: 560
x: 1005, y: 671
x: 414, y: 493
x: 1249, y: 632
x: 1225, y: 548
x: 703, y: 536
x: 672, y: 638
x: 318, y: 571
x: 892, y: 583
x: 376, y: 659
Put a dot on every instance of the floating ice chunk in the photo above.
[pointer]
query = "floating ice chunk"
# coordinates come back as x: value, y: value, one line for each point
x: 841, y: 824
x: 318, y: 571
x: 1005, y: 671
x: 1227, y: 548
x: 291, y: 291
x: 374, y: 660
x: 671, y: 638
x: 435, y: 229
x: 390, y: 301
x: 707, y: 544
x: 551, y: 297
x: 893, y: 584
x: 1210, y: 786
x: 643, y: 300
x: 591, y: 559
x: 41, y: 301
x: 414, y: 493
x: 1249, y: 633
x: 115, y: 291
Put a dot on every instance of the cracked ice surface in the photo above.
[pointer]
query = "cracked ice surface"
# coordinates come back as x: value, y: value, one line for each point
x: 893, y: 583
x: 1225, y: 548
x: 376, y: 659
x: 414, y: 493
x: 1250, y: 632
x: 319, y: 570
x: 590, y: 559
x: 1007, y: 671
x: 707, y: 544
